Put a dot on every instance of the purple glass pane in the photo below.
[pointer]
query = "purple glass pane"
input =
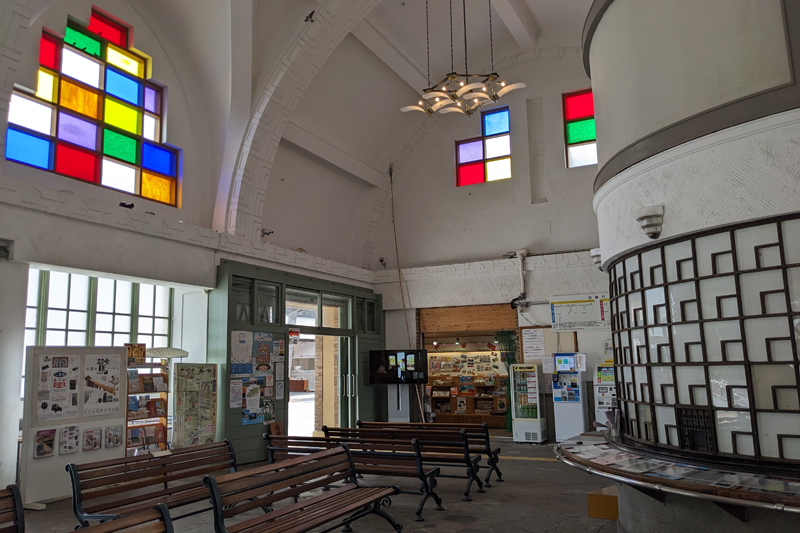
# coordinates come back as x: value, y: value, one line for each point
x: 77, y: 131
x: 150, y: 99
x: 472, y: 151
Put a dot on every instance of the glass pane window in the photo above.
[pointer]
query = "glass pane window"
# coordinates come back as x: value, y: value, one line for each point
x: 31, y: 318
x: 67, y: 299
x: 266, y: 303
x: 114, y: 311
x: 336, y: 311
x: 486, y: 158
x: 580, y: 135
x: 302, y: 307
x: 153, y: 315
x: 242, y: 299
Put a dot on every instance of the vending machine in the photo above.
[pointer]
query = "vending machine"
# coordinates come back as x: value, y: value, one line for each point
x: 527, y: 416
x: 570, y: 406
x: 605, y: 391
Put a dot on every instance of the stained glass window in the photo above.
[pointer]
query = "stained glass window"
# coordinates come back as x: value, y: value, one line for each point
x: 579, y: 129
x: 486, y: 158
x: 95, y: 114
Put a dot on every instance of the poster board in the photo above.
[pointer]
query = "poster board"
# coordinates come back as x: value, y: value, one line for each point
x: 195, y: 404
x: 554, y: 341
x: 580, y: 312
x: 87, y: 407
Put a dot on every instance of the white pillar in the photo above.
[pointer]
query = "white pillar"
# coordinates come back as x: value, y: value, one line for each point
x: 13, y: 295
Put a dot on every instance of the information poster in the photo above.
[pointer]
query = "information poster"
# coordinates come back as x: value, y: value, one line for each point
x: 195, y: 404
x: 533, y: 344
x: 114, y: 435
x: 279, y: 351
x: 236, y: 393
x: 567, y: 388
x: 548, y: 364
x: 241, y: 353
x: 279, y: 391
x: 101, y: 393
x: 44, y: 444
x: 57, y: 395
x: 92, y: 439
x: 68, y: 440
x: 580, y: 312
x: 252, y: 398
x: 262, y: 354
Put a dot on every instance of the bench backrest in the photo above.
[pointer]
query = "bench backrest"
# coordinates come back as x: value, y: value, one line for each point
x: 115, y: 476
x: 157, y: 520
x: 240, y: 492
x: 12, y: 517
x: 478, y: 434
x: 405, y: 435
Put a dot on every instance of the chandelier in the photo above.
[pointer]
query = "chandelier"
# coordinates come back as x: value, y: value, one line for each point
x: 461, y: 93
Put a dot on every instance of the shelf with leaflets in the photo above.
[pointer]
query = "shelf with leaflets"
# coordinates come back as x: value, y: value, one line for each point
x: 147, y: 421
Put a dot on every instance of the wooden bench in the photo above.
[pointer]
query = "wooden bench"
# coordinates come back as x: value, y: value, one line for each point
x: 261, y: 487
x: 12, y: 517
x: 381, y: 459
x: 156, y: 520
x: 478, y: 435
x: 442, y: 449
x: 115, y: 488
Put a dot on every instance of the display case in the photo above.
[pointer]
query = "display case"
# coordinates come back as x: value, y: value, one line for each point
x: 527, y: 414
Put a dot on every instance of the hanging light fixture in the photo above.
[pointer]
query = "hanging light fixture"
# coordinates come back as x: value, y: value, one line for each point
x: 461, y: 93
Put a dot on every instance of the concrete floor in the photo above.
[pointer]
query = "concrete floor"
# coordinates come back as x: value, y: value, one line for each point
x: 539, y: 495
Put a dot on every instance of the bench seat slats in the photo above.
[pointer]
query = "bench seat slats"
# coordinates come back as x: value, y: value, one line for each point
x: 157, y: 472
x: 275, y: 477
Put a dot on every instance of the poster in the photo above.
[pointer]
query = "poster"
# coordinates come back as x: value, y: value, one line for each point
x: 195, y: 404
x: 45, y: 443
x: 548, y: 365
x: 252, y: 410
x: 262, y: 354
x: 101, y: 392
x: 278, y: 351
x: 236, y: 393
x: 269, y: 411
x: 114, y: 436
x: 581, y: 312
x: 92, y: 439
x: 68, y: 440
x: 57, y: 395
x: 280, y: 371
x: 533, y: 344
x: 279, y: 390
x: 135, y: 354
x: 241, y: 353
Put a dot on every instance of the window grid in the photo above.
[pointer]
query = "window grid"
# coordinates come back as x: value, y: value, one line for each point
x: 580, y: 136
x: 488, y: 157
x: 67, y: 309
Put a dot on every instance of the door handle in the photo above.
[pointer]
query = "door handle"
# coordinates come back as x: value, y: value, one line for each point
x: 354, y: 385
x: 343, y: 385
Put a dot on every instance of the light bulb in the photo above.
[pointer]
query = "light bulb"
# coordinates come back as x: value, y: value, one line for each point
x: 459, y: 104
x: 435, y: 343
x: 437, y: 98
x: 444, y: 88
x: 484, y: 89
x: 462, y: 83
x: 456, y: 340
x: 420, y: 102
x: 476, y: 100
x: 502, y: 84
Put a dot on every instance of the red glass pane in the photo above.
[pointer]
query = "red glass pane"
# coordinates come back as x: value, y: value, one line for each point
x: 108, y: 29
x: 470, y: 174
x: 76, y: 163
x: 49, y: 52
x: 578, y: 106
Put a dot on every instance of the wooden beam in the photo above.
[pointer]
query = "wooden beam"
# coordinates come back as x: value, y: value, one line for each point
x: 476, y: 318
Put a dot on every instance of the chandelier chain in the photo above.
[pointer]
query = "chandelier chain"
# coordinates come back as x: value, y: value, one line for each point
x: 428, y: 41
x: 452, y: 67
x: 466, y: 63
x: 491, y: 41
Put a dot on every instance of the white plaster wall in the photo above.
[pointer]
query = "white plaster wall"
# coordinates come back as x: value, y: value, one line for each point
x: 439, y: 223
x: 655, y: 62
x: 396, y: 333
x: 742, y: 173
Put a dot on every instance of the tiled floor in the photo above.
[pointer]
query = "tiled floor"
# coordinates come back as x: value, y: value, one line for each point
x: 539, y: 495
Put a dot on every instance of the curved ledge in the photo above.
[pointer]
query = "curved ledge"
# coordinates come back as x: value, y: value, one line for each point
x: 759, y: 105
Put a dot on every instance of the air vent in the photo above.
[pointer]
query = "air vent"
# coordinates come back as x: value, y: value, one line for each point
x: 531, y: 437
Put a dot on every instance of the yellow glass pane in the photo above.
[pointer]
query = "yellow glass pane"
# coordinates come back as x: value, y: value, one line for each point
x: 122, y: 116
x: 46, y: 86
x: 157, y: 188
x: 125, y: 61
x: 79, y: 99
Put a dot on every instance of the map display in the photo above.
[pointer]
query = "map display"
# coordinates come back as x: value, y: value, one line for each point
x: 195, y: 404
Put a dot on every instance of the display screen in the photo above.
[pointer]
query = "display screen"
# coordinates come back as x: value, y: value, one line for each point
x: 398, y: 366
x: 565, y: 363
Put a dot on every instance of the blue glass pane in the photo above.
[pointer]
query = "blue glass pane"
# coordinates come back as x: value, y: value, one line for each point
x: 123, y: 87
x: 77, y: 131
x: 470, y: 151
x: 158, y: 159
x: 28, y: 149
x: 495, y: 123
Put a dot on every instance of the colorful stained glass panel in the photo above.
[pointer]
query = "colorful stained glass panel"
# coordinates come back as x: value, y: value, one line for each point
x: 498, y: 170
x: 120, y: 146
x: 29, y: 149
x: 470, y: 151
x: 80, y: 67
x: 122, y: 115
x: 470, y: 174
x: 581, y: 131
x: 582, y: 154
x: 78, y: 99
x: 151, y: 100
x: 158, y: 159
x: 77, y: 131
x: 496, y: 123
x: 150, y: 128
x: 498, y: 146
x: 123, y: 87
x: 30, y: 114
x: 108, y: 29
x: 82, y: 41
x: 118, y: 176
x: 158, y: 188
x: 46, y: 87
x: 125, y: 61
x: 49, y: 52
x: 578, y: 106
x: 76, y: 163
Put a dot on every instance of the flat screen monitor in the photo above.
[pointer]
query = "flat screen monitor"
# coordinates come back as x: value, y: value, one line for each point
x: 398, y: 366
x: 565, y: 362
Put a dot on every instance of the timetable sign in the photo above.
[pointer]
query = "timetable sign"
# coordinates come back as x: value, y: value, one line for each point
x: 580, y: 312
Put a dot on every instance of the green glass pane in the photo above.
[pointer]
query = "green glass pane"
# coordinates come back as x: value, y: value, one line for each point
x: 119, y: 146
x: 581, y: 131
x: 82, y: 42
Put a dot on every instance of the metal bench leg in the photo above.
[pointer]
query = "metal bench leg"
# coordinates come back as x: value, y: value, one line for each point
x: 492, y: 462
x: 428, y: 491
x: 386, y: 502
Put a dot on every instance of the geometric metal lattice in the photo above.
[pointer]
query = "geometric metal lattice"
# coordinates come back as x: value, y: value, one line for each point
x: 705, y: 331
